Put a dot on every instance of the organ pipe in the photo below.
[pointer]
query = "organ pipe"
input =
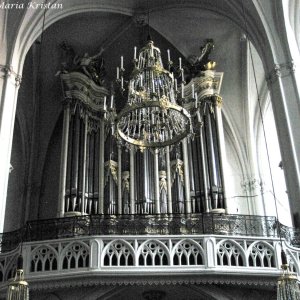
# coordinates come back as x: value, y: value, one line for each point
x: 98, y: 178
x: 84, y: 165
x: 221, y: 146
x: 64, y: 161
x: 156, y: 183
x: 120, y: 204
x: 101, y: 168
x: 207, y: 205
x: 131, y: 180
x: 188, y: 208
x: 169, y: 175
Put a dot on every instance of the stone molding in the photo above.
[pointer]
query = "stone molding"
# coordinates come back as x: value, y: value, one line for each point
x: 100, y: 280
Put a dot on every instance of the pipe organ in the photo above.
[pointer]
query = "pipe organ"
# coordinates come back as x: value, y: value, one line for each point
x: 100, y: 176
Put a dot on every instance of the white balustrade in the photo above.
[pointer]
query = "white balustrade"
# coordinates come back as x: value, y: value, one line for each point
x: 150, y: 255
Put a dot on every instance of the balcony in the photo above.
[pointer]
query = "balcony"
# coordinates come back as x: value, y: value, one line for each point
x: 198, y: 248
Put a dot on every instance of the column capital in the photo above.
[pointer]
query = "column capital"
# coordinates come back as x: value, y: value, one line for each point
x: 218, y: 100
x: 292, y: 66
x: 280, y: 70
x: 6, y: 71
x: 252, y: 183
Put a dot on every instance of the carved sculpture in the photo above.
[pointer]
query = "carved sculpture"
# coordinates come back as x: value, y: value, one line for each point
x: 91, y: 66
x: 163, y: 191
x: 125, y: 191
x: 196, y: 64
x: 111, y: 170
x: 178, y: 180
x: 202, y: 62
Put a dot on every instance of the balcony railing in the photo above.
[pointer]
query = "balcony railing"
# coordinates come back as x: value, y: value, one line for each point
x: 162, y: 224
x: 119, y: 249
x: 123, y: 259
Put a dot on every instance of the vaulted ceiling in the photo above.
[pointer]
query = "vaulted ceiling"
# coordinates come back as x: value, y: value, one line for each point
x: 179, y: 27
x: 116, y: 26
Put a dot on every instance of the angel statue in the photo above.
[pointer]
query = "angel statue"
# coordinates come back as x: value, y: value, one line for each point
x: 92, y: 66
x: 201, y: 62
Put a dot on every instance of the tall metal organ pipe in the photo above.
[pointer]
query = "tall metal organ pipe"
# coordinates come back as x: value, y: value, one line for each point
x: 103, y: 177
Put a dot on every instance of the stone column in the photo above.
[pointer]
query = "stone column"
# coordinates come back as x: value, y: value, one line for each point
x: 9, y: 85
x: 286, y: 109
